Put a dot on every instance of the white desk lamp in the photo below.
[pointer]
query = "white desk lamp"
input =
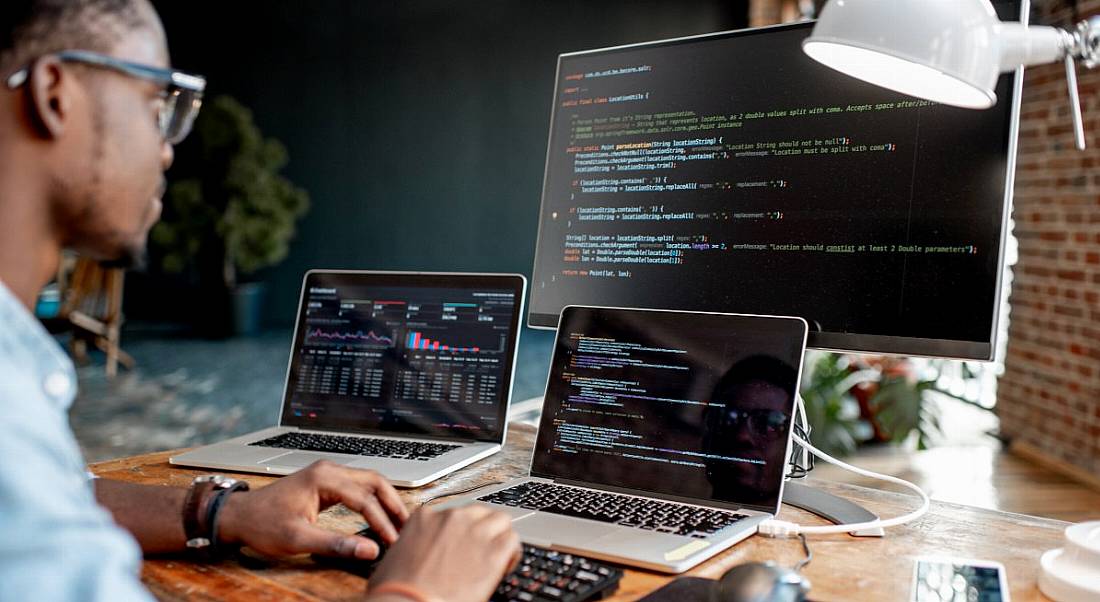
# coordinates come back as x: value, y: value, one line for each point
x: 946, y: 51
x: 952, y: 52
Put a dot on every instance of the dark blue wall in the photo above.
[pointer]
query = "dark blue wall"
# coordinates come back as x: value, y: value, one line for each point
x: 418, y: 128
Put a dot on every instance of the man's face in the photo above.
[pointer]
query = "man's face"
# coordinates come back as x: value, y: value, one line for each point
x: 754, y: 426
x: 112, y: 198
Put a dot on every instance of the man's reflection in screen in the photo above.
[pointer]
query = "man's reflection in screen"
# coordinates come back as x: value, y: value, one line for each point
x: 747, y: 426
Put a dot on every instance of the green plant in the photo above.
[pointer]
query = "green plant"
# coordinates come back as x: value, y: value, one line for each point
x: 231, y: 201
x: 831, y: 409
x: 904, y: 403
x: 851, y: 401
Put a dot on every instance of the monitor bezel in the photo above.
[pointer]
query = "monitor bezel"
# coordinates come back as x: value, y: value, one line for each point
x: 516, y: 282
x: 832, y: 341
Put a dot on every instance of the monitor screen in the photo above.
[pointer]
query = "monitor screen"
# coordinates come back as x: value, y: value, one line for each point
x: 419, y: 354
x: 731, y: 172
x: 695, y: 407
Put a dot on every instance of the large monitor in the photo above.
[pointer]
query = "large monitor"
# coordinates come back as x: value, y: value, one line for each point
x: 730, y: 172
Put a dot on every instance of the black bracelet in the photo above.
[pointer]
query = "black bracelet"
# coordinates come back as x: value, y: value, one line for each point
x: 216, y: 549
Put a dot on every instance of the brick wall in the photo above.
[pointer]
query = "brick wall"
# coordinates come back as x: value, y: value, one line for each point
x: 1049, y: 395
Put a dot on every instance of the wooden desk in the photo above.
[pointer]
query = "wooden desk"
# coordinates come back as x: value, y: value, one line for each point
x: 844, y: 568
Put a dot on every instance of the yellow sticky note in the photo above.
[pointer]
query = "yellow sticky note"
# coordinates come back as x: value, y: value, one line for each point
x: 686, y: 550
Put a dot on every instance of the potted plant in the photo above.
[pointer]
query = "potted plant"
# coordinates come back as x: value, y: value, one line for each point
x: 855, y: 400
x: 833, y: 412
x: 904, y: 400
x: 228, y: 213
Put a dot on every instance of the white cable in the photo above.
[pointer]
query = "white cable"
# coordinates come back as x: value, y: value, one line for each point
x: 780, y: 528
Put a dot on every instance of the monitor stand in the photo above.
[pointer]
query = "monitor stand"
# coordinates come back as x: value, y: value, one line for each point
x: 830, y: 507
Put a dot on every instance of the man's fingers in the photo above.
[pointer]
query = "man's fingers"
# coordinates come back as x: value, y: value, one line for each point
x: 508, y: 546
x: 375, y: 484
x: 352, y: 495
x: 362, y: 548
x: 517, y: 545
x: 315, y: 540
x: 378, y: 520
x: 347, y: 486
x: 390, y: 500
x: 494, y: 524
x: 351, y: 483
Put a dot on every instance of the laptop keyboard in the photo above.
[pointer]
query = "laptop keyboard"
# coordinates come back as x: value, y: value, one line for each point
x: 358, y: 446
x: 643, y: 513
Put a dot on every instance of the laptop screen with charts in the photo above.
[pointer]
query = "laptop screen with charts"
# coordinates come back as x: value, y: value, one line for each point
x: 689, y: 406
x: 424, y: 355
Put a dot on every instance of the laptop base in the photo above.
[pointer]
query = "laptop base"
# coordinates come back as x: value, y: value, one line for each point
x: 237, y: 455
x: 655, y: 551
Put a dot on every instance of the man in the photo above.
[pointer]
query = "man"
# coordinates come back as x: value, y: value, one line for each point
x: 85, y: 136
x: 749, y: 421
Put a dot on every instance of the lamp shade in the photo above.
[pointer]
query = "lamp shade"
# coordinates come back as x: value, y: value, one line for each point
x: 946, y: 51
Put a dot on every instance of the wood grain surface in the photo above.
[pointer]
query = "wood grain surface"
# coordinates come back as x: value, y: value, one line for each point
x: 843, y: 568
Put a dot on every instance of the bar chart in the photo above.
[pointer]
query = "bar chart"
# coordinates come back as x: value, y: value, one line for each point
x: 417, y: 340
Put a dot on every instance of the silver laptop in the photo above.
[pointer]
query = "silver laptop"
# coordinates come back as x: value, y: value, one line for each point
x: 664, y: 435
x: 409, y: 374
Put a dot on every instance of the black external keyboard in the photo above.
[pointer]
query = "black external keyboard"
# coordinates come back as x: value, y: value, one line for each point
x: 643, y: 513
x: 548, y: 576
x: 542, y: 575
x: 357, y: 446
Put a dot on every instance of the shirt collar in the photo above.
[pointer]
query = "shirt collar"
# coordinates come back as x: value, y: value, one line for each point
x: 52, y: 368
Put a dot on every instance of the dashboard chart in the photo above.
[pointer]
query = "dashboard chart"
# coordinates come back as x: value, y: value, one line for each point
x: 412, y: 358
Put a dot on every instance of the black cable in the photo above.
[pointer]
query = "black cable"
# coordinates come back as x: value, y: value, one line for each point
x: 459, y: 492
x: 806, y: 550
x: 797, y: 470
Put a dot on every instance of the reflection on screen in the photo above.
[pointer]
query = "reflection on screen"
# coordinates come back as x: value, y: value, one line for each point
x: 417, y: 360
x: 693, y: 405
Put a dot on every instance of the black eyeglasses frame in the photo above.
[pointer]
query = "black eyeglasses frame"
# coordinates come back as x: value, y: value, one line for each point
x: 182, y: 91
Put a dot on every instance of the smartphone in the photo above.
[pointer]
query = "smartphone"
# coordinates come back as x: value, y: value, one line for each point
x: 938, y: 579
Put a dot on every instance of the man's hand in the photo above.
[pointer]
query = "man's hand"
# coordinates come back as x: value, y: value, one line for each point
x: 457, y: 555
x: 280, y: 519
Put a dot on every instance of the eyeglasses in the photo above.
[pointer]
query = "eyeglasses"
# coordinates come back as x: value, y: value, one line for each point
x: 767, y: 423
x: 180, y: 99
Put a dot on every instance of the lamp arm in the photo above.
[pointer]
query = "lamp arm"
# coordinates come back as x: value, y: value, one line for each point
x: 1075, y: 103
x: 1031, y: 46
x: 1086, y: 42
x: 1086, y: 48
x: 1040, y: 45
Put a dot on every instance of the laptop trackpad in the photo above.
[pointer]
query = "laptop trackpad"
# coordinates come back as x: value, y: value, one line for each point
x: 542, y: 528
x: 303, y: 459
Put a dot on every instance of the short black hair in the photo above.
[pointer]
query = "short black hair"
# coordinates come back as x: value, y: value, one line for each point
x: 30, y: 28
x: 759, y: 368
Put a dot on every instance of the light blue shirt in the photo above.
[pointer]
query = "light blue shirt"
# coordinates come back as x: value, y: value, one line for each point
x: 56, y: 542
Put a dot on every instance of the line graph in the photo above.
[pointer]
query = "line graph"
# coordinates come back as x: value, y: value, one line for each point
x: 369, y: 337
